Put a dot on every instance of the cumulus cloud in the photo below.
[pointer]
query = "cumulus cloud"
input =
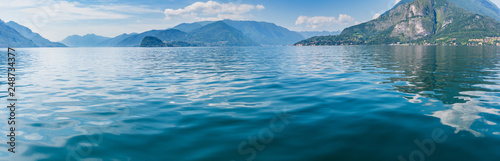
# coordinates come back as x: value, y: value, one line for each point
x: 322, y: 21
x: 212, y: 10
x: 66, y: 10
x: 260, y: 7
x: 376, y: 15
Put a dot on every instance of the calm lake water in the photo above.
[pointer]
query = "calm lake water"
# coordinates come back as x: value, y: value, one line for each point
x: 256, y: 103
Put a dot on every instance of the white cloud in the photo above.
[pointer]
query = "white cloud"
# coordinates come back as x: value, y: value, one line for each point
x: 212, y: 10
x: 322, y: 21
x: 128, y: 9
x: 376, y: 15
x: 21, y: 3
x: 260, y: 7
x: 52, y: 10
x: 45, y: 16
x: 64, y: 10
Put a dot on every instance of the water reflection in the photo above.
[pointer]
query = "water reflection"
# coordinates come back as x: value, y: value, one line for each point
x: 201, y: 103
x: 459, y: 76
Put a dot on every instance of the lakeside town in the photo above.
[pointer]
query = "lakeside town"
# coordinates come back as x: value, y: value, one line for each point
x: 487, y: 41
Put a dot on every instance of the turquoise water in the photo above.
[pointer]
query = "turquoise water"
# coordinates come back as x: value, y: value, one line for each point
x: 256, y: 103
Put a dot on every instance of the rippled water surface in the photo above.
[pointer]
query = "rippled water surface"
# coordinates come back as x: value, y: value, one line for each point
x: 256, y: 103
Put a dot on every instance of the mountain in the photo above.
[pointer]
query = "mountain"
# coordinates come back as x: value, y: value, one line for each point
x: 214, y: 34
x: 9, y: 37
x: 150, y: 41
x: 309, y: 34
x: 165, y: 35
x: 35, y: 37
x: 266, y: 33
x: 136, y: 39
x: 114, y: 41
x: 259, y: 33
x: 419, y: 21
x: 263, y: 33
x: 92, y: 40
x: 219, y: 34
x: 89, y: 40
x: 482, y: 7
x: 188, y: 27
x: 171, y: 35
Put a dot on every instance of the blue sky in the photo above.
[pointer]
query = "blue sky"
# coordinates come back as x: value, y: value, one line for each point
x: 56, y: 19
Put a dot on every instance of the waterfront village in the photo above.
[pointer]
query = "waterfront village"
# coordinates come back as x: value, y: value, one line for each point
x: 487, y: 41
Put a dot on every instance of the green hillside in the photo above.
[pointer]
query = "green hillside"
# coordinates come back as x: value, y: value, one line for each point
x: 219, y: 34
x: 150, y: 41
x: 420, y: 21
x: 262, y: 33
x: 171, y: 35
x: 482, y: 7
x: 136, y: 39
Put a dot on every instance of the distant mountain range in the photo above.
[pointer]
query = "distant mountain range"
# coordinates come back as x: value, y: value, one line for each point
x: 421, y: 22
x: 14, y: 35
x: 213, y: 34
x: 243, y: 33
x: 262, y: 33
x: 89, y: 40
x: 35, y: 37
x: 309, y: 34
x: 219, y: 34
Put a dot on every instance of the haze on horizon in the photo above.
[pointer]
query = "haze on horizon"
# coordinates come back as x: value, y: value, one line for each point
x: 57, y: 19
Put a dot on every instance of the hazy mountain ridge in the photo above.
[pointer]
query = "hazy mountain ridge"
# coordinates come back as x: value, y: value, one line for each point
x: 219, y: 34
x: 214, y: 34
x: 9, y: 37
x: 89, y: 40
x: 135, y: 40
x: 309, y: 34
x: 261, y: 33
x: 265, y: 33
x: 114, y: 41
x: 418, y: 21
x: 13, y: 34
x: 35, y: 37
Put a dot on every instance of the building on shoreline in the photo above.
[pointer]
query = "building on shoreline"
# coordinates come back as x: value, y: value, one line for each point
x: 485, y: 41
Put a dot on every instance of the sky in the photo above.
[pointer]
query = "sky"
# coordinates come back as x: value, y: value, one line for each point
x: 57, y: 19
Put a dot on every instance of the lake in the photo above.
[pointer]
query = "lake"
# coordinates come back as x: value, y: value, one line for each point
x: 360, y: 103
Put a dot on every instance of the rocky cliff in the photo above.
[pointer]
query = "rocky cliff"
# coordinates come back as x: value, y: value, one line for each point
x: 416, y: 22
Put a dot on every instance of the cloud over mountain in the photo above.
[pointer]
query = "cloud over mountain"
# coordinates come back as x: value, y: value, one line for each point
x: 323, y: 21
x: 212, y: 10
